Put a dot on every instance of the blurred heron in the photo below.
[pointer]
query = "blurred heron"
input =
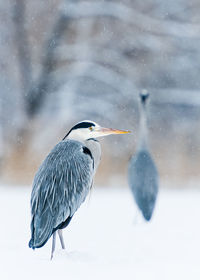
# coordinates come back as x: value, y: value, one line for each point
x: 142, y: 172
x: 64, y: 180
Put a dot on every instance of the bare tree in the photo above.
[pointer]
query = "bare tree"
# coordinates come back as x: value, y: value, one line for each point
x: 22, y: 45
x: 97, y: 55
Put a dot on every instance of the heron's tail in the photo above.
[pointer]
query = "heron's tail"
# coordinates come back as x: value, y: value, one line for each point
x: 41, y: 231
x: 147, y: 210
x: 147, y: 215
x: 31, y: 244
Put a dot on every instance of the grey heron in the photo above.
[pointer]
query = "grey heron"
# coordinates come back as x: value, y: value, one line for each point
x: 142, y: 171
x: 63, y: 181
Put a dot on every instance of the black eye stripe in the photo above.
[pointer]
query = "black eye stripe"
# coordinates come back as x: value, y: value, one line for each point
x: 144, y: 97
x: 83, y: 125
x: 80, y: 125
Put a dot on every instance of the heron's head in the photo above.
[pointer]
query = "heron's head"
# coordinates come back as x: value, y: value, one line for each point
x: 88, y: 129
x: 144, y: 95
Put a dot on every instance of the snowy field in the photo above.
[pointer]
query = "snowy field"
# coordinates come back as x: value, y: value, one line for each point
x: 102, y: 240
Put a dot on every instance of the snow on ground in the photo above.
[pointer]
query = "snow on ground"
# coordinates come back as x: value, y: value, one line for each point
x: 102, y: 240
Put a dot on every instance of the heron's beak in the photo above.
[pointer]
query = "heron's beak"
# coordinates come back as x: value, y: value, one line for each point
x: 108, y: 131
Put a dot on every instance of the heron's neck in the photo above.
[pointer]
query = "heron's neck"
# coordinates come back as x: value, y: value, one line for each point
x: 143, y: 138
x: 95, y: 148
x: 76, y: 135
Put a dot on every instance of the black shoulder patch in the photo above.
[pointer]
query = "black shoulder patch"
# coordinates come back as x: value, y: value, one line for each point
x: 87, y: 152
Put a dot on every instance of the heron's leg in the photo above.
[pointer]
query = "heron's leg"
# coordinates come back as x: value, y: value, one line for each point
x: 61, y: 238
x: 53, y: 244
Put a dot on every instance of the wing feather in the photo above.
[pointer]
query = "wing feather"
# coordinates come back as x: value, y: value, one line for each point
x: 60, y: 186
x: 143, y: 181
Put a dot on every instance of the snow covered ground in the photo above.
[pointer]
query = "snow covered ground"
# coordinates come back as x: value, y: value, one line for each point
x: 102, y: 240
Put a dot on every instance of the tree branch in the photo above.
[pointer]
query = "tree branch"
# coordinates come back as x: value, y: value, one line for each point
x: 22, y: 44
x: 39, y: 90
x: 122, y: 12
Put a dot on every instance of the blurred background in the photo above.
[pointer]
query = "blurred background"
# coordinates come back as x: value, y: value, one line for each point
x: 63, y: 61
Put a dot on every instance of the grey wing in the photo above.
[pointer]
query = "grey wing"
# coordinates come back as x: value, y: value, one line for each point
x: 60, y: 186
x: 143, y: 181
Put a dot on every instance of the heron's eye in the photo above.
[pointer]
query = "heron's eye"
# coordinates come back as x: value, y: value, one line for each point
x: 91, y: 128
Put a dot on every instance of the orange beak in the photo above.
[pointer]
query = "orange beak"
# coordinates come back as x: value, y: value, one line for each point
x: 108, y: 131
